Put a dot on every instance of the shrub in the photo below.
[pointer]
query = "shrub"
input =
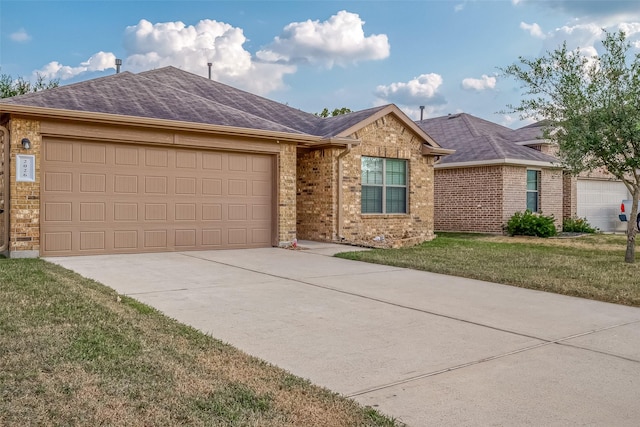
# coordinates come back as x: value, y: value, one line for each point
x: 528, y: 223
x: 577, y: 225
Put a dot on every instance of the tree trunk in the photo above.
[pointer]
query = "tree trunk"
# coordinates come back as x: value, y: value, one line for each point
x: 630, y: 255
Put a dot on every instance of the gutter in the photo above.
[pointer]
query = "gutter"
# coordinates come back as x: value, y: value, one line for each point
x: 505, y: 162
x: 6, y: 145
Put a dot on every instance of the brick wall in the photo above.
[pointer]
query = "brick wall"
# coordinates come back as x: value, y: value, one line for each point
x: 317, y: 194
x: 321, y: 217
x: 482, y: 199
x: 286, y: 194
x: 469, y: 199
x: 569, y: 196
x: 25, y: 196
x: 551, y: 194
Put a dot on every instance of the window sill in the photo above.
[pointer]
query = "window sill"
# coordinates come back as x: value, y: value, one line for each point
x: 384, y: 215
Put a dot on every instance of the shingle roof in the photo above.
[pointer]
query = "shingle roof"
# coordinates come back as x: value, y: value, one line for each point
x: 477, y: 140
x: 173, y: 94
x: 531, y: 132
x: 136, y: 95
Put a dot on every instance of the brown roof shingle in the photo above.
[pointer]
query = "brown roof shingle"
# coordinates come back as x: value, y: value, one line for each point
x: 477, y: 140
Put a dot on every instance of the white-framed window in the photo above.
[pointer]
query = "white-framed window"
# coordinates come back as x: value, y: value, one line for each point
x: 533, y: 190
x: 384, y: 185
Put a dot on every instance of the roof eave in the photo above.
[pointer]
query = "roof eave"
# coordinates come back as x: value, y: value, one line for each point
x: 334, y: 142
x: 536, y: 142
x: 499, y: 162
x: 116, y: 119
x: 391, y: 108
x: 436, y: 151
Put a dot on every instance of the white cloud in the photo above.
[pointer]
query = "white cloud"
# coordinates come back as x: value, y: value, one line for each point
x: 459, y: 7
x: 20, y: 36
x: 576, y: 36
x: 533, y: 29
x: 339, y: 40
x: 100, y: 61
x: 189, y: 47
x: 483, y: 83
x: 422, y: 90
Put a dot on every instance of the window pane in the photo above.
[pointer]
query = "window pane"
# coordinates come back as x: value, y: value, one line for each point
x: 396, y: 200
x: 396, y: 172
x: 371, y: 171
x: 371, y: 199
x: 532, y: 201
x: 532, y: 180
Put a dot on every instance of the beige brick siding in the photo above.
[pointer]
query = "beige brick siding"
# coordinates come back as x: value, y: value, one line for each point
x: 569, y: 195
x: 469, y: 199
x: 317, y: 194
x: 286, y: 194
x: 483, y: 198
x: 551, y: 194
x: 25, y: 196
x: 318, y: 208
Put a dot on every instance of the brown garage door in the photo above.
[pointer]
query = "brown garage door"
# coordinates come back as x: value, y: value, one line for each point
x: 102, y: 198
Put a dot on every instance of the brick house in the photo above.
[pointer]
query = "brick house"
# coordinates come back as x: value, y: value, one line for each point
x: 166, y: 160
x: 495, y: 172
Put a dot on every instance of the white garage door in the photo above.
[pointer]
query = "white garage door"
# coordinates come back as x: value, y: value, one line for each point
x: 599, y: 202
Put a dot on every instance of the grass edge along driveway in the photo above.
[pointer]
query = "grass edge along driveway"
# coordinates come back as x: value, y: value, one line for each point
x: 72, y: 352
x: 589, y: 266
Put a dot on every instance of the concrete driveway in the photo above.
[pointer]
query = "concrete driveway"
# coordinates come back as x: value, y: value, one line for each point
x: 425, y: 348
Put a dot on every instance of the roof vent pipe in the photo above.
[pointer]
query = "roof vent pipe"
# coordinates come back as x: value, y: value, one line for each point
x: 209, y: 64
x: 421, y: 112
x: 118, y: 64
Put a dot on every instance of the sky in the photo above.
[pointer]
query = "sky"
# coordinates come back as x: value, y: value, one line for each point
x: 444, y: 55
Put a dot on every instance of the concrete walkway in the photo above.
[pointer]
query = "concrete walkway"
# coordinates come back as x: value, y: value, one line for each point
x: 425, y: 348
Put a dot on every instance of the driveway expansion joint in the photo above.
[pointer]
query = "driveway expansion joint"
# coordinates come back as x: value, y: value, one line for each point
x: 544, y: 343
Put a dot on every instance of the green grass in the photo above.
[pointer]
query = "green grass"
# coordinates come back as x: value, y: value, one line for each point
x: 72, y: 352
x: 588, y: 266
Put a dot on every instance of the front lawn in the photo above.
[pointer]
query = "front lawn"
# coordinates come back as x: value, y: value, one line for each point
x: 590, y: 266
x: 72, y: 352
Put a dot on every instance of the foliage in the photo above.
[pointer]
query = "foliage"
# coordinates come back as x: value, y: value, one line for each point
x: 12, y: 87
x: 336, y: 112
x: 577, y: 225
x: 592, y: 105
x: 528, y: 223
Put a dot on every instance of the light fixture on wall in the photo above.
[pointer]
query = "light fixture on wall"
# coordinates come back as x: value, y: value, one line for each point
x: 26, y: 144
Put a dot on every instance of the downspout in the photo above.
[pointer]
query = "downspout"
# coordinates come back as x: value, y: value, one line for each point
x: 6, y: 145
x: 339, y: 182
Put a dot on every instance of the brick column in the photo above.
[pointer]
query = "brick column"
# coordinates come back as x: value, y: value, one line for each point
x: 24, y: 211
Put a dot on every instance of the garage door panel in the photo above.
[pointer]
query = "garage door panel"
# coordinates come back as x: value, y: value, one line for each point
x: 93, y: 153
x: 56, y: 212
x: 58, y: 181
x: 92, y: 240
x: 119, y: 199
x: 57, y: 151
x: 93, y: 212
x: 125, y: 239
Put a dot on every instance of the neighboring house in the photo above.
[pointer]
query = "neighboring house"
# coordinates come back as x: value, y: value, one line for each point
x: 495, y: 172
x: 594, y: 195
x: 166, y: 160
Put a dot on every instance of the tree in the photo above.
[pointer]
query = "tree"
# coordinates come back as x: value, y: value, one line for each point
x: 592, y: 105
x: 10, y: 87
x: 336, y: 112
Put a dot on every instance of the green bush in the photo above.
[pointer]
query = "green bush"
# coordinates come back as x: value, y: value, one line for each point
x: 577, y: 225
x: 528, y: 223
